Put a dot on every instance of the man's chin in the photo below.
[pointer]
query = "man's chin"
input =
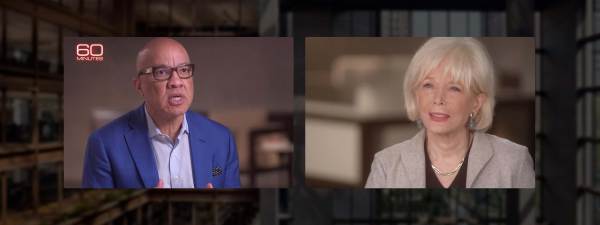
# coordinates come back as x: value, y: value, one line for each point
x: 177, y: 112
x: 173, y: 112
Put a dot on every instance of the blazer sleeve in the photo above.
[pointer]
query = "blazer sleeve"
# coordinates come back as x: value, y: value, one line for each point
x: 96, y: 166
x: 376, y: 177
x: 525, y: 177
x: 232, y: 172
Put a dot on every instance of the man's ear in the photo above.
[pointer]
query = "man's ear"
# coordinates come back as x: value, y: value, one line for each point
x: 137, y: 84
x: 479, y: 100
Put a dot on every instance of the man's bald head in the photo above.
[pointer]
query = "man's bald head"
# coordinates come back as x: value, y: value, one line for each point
x: 170, y: 98
x: 159, y: 51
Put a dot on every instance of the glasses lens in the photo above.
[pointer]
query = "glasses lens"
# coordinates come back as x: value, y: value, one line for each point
x: 162, y: 73
x: 185, y: 71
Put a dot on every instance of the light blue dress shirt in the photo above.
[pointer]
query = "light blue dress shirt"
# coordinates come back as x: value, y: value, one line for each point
x: 172, y: 158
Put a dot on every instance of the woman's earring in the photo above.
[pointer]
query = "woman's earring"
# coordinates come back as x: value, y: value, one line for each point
x: 471, y: 122
x: 419, y: 123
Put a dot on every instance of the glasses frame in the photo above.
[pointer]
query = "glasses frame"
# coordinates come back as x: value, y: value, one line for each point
x: 151, y: 70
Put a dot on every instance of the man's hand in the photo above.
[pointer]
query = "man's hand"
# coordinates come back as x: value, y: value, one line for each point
x: 209, y: 186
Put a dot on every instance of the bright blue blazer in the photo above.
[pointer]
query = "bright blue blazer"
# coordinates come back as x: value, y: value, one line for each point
x: 119, y: 155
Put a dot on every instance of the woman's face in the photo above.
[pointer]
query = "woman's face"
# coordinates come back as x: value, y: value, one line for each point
x: 444, y: 106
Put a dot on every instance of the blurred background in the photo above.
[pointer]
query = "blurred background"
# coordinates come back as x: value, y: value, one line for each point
x: 258, y: 111
x: 566, y: 111
x: 355, y: 101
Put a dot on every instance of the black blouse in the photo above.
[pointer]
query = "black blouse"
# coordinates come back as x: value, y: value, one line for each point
x: 431, y: 180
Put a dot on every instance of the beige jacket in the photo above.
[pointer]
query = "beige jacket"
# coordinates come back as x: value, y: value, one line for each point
x: 494, y: 162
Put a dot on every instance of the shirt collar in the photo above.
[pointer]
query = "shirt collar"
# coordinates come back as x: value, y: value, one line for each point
x: 153, y: 130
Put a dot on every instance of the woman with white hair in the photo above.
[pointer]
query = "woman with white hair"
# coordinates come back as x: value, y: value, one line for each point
x: 449, y: 92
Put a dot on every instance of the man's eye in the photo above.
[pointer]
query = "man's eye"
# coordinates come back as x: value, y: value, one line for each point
x: 161, y: 71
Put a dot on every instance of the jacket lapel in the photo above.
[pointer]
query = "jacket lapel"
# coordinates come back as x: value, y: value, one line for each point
x: 414, y: 161
x: 481, y: 152
x: 140, y: 149
x: 200, y: 152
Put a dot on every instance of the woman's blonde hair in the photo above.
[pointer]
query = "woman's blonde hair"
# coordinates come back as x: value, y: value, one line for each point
x: 466, y: 60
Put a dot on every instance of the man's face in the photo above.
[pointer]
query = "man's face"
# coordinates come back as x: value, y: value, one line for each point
x: 169, y: 98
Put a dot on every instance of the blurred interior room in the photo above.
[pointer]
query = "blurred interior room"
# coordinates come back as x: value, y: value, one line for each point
x: 354, y: 93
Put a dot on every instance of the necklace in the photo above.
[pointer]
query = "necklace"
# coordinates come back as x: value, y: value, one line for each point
x: 437, y: 171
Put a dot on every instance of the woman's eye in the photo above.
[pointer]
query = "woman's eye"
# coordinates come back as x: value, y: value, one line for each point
x: 454, y: 88
x: 427, y: 85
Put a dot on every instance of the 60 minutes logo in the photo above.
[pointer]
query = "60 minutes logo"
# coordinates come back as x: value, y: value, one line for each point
x: 89, y: 52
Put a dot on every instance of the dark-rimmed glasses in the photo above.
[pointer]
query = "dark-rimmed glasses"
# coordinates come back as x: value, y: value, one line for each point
x: 161, y: 73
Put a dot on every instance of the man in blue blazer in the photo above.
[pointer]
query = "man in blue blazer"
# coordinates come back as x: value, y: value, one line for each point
x: 162, y: 144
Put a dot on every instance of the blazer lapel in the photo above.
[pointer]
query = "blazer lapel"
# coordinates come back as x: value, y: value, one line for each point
x: 414, y: 160
x: 200, y: 153
x: 481, y: 152
x: 140, y: 149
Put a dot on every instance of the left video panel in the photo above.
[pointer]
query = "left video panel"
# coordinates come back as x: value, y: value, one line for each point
x: 188, y: 112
